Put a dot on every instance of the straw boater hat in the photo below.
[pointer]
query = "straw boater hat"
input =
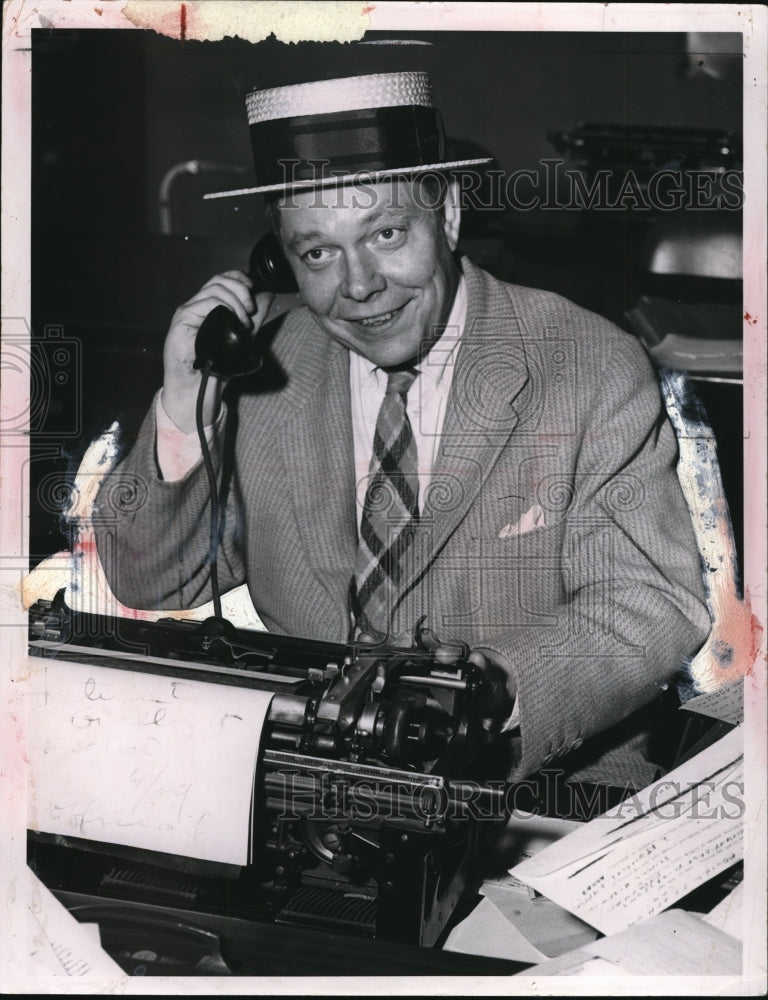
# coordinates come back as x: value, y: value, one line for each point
x: 338, y: 131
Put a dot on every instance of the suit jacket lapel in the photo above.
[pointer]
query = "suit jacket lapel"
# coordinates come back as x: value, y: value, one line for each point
x: 491, y: 373
x: 319, y: 456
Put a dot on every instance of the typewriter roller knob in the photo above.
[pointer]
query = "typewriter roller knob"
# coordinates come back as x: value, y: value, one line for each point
x: 370, y: 726
x: 412, y: 732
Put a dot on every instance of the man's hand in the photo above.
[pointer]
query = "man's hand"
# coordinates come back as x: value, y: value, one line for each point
x: 232, y: 289
x: 498, y: 691
x: 496, y: 697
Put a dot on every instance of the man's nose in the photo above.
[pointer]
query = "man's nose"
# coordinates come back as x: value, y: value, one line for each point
x: 361, y: 278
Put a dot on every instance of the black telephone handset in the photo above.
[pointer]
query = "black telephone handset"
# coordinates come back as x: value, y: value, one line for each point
x: 222, y: 340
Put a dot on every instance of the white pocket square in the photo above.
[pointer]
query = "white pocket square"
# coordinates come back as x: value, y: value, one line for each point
x: 531, y: 519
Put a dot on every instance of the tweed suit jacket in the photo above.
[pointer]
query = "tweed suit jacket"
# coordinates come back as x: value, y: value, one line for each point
x: 554, y: 530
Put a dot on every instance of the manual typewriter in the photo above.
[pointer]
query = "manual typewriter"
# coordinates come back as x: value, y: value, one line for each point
x: 368, y: 801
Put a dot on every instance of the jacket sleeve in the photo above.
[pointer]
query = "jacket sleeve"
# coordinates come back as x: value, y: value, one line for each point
x: 634, y: 610
x: 153, y: 536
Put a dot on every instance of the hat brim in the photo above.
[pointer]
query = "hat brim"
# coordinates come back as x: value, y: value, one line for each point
x: 361, y: 176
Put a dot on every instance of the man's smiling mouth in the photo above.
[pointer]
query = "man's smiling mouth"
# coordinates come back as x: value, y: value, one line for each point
x: 381, y: 319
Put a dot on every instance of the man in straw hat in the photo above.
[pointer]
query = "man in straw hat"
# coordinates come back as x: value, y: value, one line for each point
x: 438, y: 443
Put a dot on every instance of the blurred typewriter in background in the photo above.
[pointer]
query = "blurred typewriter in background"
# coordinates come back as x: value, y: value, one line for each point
x: 687, y: 187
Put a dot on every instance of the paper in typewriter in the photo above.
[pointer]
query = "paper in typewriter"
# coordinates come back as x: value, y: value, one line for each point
x: 143, y: 760
x: 642, y: 856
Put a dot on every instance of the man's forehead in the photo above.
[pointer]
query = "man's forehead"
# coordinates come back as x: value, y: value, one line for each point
x: 364, y: 200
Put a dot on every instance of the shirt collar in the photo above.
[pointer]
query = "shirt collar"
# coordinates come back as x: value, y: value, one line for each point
x: 435, y: 363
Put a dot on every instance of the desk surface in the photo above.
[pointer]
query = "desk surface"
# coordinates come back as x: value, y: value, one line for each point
x: 251, y: 948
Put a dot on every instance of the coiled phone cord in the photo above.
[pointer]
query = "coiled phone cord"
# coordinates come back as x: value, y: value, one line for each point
x: 212, y: 489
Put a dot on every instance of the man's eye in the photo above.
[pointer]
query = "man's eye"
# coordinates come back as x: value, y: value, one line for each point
x: 315, y: 254
x: 389, y: 235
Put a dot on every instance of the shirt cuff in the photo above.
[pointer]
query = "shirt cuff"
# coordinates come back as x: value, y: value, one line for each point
x: 177, y: 452
x: 513, y: 722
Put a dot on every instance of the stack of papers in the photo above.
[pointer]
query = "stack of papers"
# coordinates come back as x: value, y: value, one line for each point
x: 652, y: 849
x: 618, y: 875
x: 514, y: 922
x: 675, y: 943
x: 725, y: 703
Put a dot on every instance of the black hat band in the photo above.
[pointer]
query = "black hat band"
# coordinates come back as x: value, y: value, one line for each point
x: 309, y: 147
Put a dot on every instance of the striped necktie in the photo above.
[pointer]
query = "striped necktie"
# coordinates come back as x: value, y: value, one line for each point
x: 390, y: 508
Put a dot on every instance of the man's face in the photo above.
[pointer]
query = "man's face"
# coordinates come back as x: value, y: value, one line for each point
x: 373, y: 265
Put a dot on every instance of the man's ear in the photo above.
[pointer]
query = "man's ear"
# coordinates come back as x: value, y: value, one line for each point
x: 452, y: 213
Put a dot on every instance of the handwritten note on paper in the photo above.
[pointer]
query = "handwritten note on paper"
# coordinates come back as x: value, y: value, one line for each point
x: 640, y: 857
x: 725, y: 704
x: 142, y: 759
x: 57, y: 945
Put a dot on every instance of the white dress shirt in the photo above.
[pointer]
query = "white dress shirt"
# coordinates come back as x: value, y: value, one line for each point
x: 427, y: 401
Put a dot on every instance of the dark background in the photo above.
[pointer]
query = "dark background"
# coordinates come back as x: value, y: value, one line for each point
x: 113, y: 111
